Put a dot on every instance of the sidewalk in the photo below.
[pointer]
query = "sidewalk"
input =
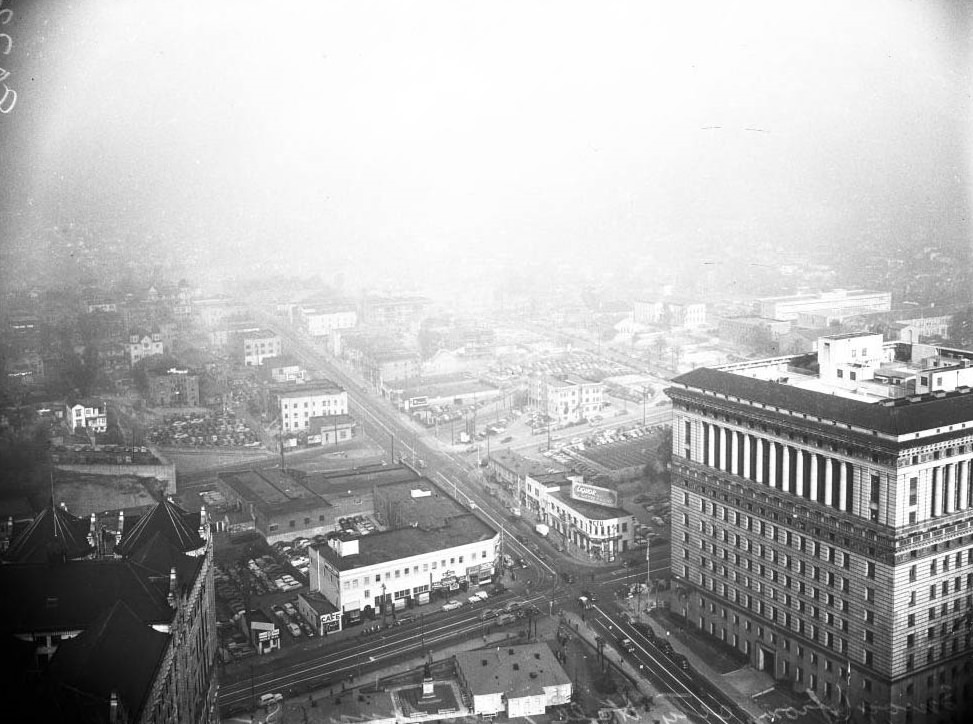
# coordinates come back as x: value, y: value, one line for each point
x: 662, y: 709
x: 740, y: 682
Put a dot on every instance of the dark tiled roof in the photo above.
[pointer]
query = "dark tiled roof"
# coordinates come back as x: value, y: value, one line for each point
x: 176, y: 524
x: 902, y: 418
x: 54, y: 534
x: 71, y: 595
x: 159, y: 556
x: 117, y: 652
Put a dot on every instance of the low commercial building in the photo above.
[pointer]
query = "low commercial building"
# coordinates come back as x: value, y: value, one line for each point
x: 297, y: 405
x: 838, y: 302
x: 330, y: 429
x: 377, y: 573
x: 584, y: 515
x: 289, y: 504
x: 283, y: 369
x: 261, y: 630
x: 323, y: 616
x: 280, y: 507
x: 516, y: 681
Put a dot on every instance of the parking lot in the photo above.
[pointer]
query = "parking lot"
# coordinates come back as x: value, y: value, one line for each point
x: 264, y: 579
x: 203, y: 429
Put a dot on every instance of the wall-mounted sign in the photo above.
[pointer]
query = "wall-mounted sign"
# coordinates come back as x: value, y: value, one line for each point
x: 594, y: 494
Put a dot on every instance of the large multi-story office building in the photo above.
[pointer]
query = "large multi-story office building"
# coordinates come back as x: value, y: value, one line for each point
x: 822, y: 521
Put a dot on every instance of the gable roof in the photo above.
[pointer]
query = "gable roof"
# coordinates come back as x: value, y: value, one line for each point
x: 71, y: 595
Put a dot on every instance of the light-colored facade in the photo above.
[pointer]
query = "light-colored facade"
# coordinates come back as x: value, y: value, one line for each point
x: 402, y: 566
x: 320, y: 321
x: 581, y: 514
x: 519, y: 681
x: 823, y: 528
x: 565, y: 400
x: 142, y: 345
x: 88, y: 414
x: 258, y: 346
x: 837, y: 303
x: 673, y: 312
x: 298, y: 405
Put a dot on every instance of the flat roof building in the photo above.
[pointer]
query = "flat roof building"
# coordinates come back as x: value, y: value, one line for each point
x: 390, y: 570
x: 519, y: 681
x: 821, y: 520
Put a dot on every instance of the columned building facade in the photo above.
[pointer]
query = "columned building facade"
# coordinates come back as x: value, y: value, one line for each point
x: 828, y: 533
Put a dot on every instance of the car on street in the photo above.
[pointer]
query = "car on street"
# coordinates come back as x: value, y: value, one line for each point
x: 627, y: 645
x: 681, y: 661
x: 451, y: 605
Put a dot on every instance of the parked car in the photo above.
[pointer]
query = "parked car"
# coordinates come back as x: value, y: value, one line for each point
x: 451, y: 605
x: 268, y: 699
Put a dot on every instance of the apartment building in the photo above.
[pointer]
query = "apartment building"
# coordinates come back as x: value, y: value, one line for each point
x: 303, y: 402
x: 565, y: 400
x: 822, y: 522
x: 259, y: 346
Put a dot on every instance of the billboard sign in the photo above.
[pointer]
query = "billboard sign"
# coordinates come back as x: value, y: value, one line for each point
x: 594, y: 494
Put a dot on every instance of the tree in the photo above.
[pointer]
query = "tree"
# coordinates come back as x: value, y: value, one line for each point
x: 961, y: 327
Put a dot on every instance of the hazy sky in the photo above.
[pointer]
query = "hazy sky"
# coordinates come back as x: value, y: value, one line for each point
x: 383, y: 130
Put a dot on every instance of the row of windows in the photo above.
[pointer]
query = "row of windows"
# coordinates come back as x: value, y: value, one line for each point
x: 351, y: 583
x: 325, y: 403
x: 806, y: 544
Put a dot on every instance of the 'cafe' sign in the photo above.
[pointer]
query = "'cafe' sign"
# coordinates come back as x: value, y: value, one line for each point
x: 594, y: 494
